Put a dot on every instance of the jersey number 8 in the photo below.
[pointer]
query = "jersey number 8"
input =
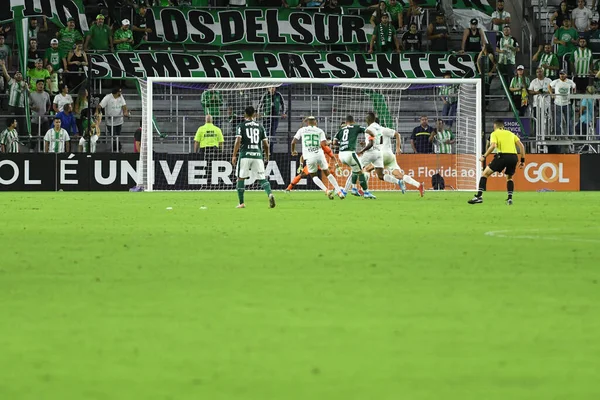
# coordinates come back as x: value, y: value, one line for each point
x: 253, y: 134
x: 311, y: 141
x: 345, y: 135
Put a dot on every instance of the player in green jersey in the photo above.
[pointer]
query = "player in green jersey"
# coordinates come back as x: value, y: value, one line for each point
x: 346, y: 139
x: 249, y: 136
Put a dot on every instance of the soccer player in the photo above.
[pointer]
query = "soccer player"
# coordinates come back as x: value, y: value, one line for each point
x: 346, y: 138
x: 505, y: 160
x: 313, y: 139
x: 383, y: 143
x: 389, y: 162
x: 249, y: 136
x: 303, y: 172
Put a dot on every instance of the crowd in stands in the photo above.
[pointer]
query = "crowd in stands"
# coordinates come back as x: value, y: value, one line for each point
x: 57, y: 58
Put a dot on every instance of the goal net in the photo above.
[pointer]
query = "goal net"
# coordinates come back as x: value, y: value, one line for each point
x: 177, y: 155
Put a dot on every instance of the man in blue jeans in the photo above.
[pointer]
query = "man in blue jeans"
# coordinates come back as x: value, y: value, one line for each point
x: 272, y: 108
x: 562, y: 88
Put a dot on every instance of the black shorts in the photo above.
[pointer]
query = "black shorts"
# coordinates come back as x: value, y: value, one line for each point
x: 504, y: 162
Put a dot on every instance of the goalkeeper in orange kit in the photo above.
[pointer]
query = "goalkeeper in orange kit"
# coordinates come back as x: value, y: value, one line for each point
x: 303, y: 171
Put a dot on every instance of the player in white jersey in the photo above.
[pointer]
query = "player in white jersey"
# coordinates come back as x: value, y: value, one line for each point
x: 313, y: 138
x: 389, y: 161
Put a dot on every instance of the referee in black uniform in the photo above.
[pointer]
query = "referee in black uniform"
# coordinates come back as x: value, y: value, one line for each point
x: 505, y: 160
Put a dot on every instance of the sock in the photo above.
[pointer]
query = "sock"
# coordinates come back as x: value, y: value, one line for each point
x: 363, y: 182
x: 482, y: 184
x: 354, y: 178
x: 350, y: 182
x: 367, y: 176
x: 319, y: 183
x: 294, y: 181
x: 240, y: 191
x: 390, y: 179
x: 266, y: 186
x: 334, y: 182
x: 510, y: 187
x: 410, y: 180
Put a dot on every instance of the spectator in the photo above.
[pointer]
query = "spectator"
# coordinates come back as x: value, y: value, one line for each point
x: 596, y: 6
x: 6, y: 30
x: 115, y: 108
x: 91, y: 133
x: 68, y: 121
x: 62, y: 98
x: 76, y: 62
x: 68, y: 37
x: 444, y: 139
x: 5, y: 52
x: 562, y: 88
x: 53, y: 89
x: 33, y: 54
x: 437, y: 33
x: 421, y: 139
x: 37, y: 73
x: 449, y: 94
x: 473, y: 38
x: 541, y: 104
x: 39, y: 104
x: 123, y: 37
x: 593, y: 38
x: 237, y: 101
x: 80, y: 108
x: 560, y: 15
x: 9, y: 138
x: 17, y: 92
x: 582, y: 16
x: 209, y: 139
x: 411, y: 40
x: 396, y: 11
x: 332, y: 7
x: 500, y: 18
x: 137, y: 139
x: 377, y: 15
x: 518, y: 87
x: 486, y: 64
x: 586, y: 112
x: 212, y: 101
x: 582, y: 66
x: 507, y: 53
x: 384, y: 38
x: 566, y: 39
x: 54, y: 56
x: 140, y: 27
x: 99, y: 36
x: 56, y: 139
x: 34, y: 28
x: 548, y: 61
x: 272, y: 108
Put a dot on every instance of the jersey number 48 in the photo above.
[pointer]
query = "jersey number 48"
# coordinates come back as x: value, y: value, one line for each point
x: 253, y: 134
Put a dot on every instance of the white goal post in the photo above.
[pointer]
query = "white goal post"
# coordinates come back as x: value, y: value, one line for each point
x: 466, y: 150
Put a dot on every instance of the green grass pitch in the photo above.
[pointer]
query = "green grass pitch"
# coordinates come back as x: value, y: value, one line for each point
x: 112, y: 296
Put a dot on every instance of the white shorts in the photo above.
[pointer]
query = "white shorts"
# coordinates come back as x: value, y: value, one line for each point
x: 372, y: 157
x: 93, y: 140
x: 350, y: 159
x: 251, y: 167
x: 315, y: 162
x: 389, y: 161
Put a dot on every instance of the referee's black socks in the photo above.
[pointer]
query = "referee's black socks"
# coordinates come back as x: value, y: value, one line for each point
x: 510, y: 187
x: 482, y: 184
